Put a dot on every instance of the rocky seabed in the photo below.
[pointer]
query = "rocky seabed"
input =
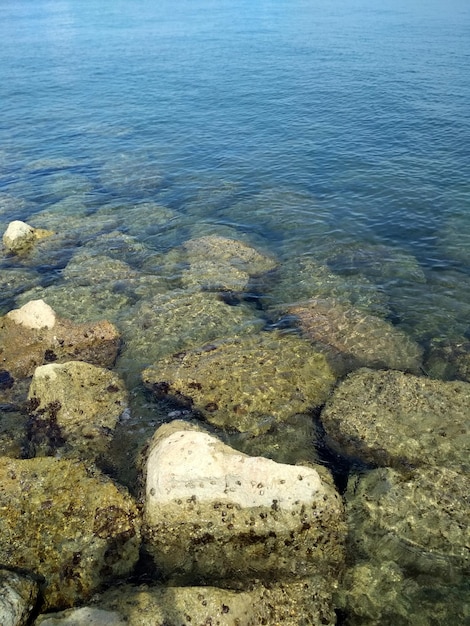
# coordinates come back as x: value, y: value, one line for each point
x: 225, y: 512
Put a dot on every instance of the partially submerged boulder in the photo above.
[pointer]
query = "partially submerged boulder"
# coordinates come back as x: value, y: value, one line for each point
x: 417, y: 519
x: 74, y: 529
x: 397, y: 419
x: 18, y: 596
x: 246, y: 384
x: 33, y: 335
x: 290, y: 603
x: 213, y: 514
x: 74, y: 409
x: 19, y: 236
x: 354, y: 338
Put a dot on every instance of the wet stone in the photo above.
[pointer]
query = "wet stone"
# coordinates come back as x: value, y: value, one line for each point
x: 418, y: 519
x: 73, y: 529
x: 74, y: 409
x: 353, y: 338
x: 34, y: 335
x: 18, y: 595
x: 214, y: 514
x: 397, y: 419
x: 246, y: 384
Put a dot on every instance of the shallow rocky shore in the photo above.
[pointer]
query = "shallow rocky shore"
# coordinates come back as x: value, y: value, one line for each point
x: 190, y: 459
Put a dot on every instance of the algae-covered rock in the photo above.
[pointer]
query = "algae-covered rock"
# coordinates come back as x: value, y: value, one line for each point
x: 212, y: 513
x: 74, y: 529
x: 168, y: 323
x: 449, y: 360
x: 397, y: 419
x: 418, y: 519
x: 19, y: 237
x: 381, y: 594
x: 34, y: 335
x: 18, y: 595
x: 303, y: 278
x: 216, y: 263
x: 74, y: 408
x: 298, y: 603
x: 246, y: 384
x: 354, y: 338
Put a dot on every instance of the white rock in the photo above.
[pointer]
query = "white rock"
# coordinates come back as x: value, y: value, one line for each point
x: 86, y: 616
x: 18, y: 235
x: 17, y: 598
x: 34, y: 314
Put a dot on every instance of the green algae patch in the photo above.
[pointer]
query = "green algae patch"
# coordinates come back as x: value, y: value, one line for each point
x: 73, y: 529
x: 245, y: 384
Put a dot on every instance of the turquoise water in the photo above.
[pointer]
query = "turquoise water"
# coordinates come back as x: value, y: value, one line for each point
x: 337, y: 131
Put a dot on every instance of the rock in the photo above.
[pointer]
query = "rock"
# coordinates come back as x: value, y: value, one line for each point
x: 34, y: 315
x: 85, y: 616
x: 74, y: 409
x: 374, y: 594
x: 419, y: 519
x: 247, y: 384
x: 218, y: 263
x: 34, y: 335
x: 18, y: 595
x: 304, y: 602
x: 19, y: 236
x: 397, y: 419
x: 449, y: 360
x: 74, y: 529
x: 354, y: 338
x: 214, y: 514
x: 168, y: 323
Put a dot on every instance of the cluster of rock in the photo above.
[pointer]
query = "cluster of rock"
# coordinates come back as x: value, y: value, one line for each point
x: 407, y: 513
x: 237, y: 539
x: 223, y: 536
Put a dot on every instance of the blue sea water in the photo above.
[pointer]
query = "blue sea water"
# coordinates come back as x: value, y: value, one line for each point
x: 337, y: 130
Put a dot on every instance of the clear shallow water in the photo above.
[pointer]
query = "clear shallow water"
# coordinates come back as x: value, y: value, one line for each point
x: 338, y: 131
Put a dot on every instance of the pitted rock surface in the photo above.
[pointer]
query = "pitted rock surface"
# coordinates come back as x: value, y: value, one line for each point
x: 397, y: 419
x: 213, y: 513
x: 247, y: 384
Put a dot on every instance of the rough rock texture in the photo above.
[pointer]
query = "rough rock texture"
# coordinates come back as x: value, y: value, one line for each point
x: 33, y: 335
x: 74, y: 409
x: 449, y: 360
x: 397, y: 419
x: 19, y: 236
x: 418, y: 520
x: 380, y: 594
x: 246, y: 384
x: 212, y: 513
x: 219, y: 263
x: 172, y: 322
x: 85, y: 616
x: 301, y: 603
x: 355, y: 338
x: 18, y: 595
x: 76, y: 530
x: 302, y: 278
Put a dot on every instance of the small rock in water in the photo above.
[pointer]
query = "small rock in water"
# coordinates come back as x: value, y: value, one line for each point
x: 19, y: 236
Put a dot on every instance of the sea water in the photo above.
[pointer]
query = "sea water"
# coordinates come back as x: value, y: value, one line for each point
x: 335, y: 131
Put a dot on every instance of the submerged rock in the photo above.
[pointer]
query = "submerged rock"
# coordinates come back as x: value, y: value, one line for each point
x: 168, y: 323
x: 34, y: 335
x: 449, y: 360
x: 74, y: 529
x: 397, y: 419
x: 247, y: 384
x: 213, y: 514
x: 216, y: 263
x: 19, y: 236
x: 292, y: 604
x: 354, y: 338
x: 419, y: 519
x: 74, y: 408
x: 18, y: 595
